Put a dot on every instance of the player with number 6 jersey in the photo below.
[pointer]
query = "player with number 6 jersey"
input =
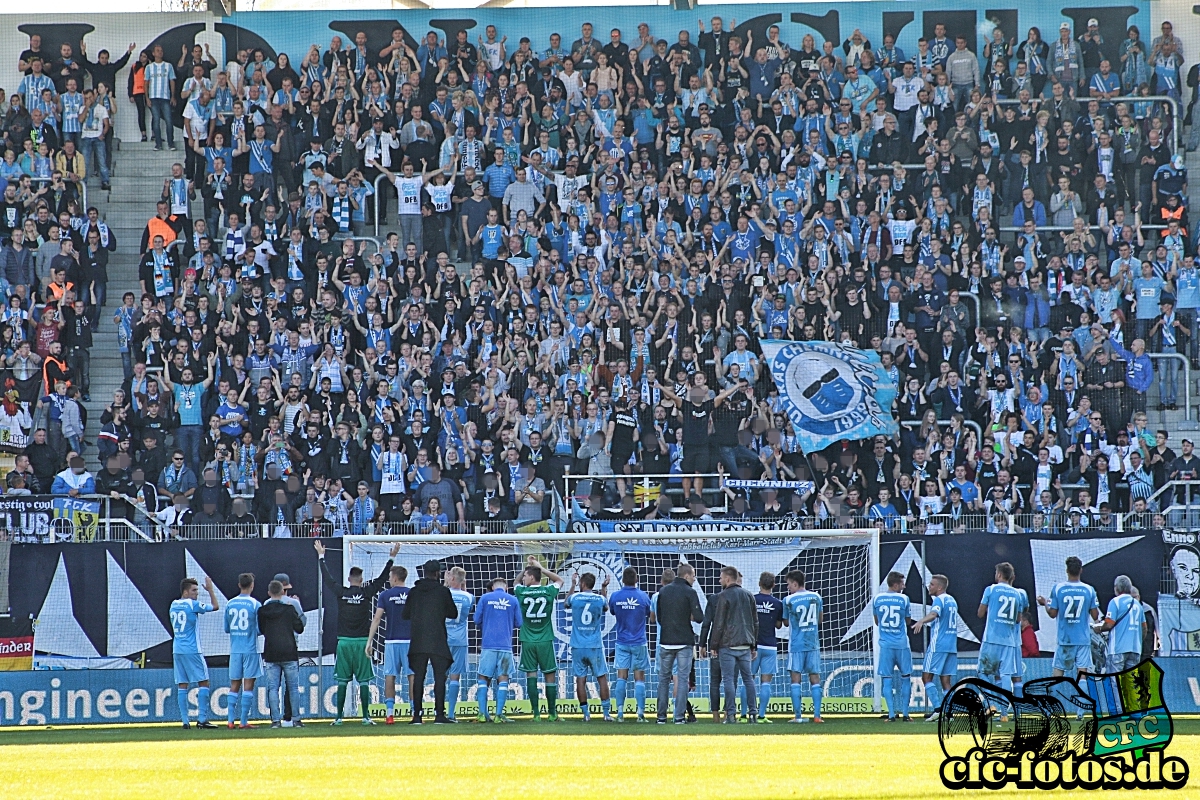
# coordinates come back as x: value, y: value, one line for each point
x: 802, y: 614
x: 587, y: 640
x: 536, y: 594
x: 245, y: 664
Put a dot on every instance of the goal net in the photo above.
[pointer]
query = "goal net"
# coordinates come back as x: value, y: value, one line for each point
x: 841, y: 565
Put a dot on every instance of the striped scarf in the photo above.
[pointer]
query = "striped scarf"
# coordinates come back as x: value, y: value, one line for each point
x: 234, y: 243
x: 341, y: 212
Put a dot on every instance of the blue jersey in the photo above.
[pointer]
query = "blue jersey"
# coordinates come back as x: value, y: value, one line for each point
x: 631, y: 607
x: 241, y: 623
x: 395, y: 627
x: 943, y: 633
x: 1127, y: 613
x: 497, y: 615
x: 891, y: 615
x: 456, y: 629
x: 770, y: 612
x: 1074, y: 601
x: 802, y: 612
x: 184, y: 618
x: 587, y: 620
x: 1004, y: 606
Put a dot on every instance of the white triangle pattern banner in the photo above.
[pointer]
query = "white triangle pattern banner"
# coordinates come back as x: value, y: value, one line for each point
x: 1049, y: 568
x: 132, y: 624
x: 908, y: 559
x: 214, y: 641
x: 56, y: 631
x: 752, y: 562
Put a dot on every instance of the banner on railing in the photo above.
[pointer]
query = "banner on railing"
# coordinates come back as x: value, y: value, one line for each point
x: 1179, y: 603
x: 47, y: 519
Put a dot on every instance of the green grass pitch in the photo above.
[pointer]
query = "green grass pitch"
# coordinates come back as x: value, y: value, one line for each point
x: 848, y: 757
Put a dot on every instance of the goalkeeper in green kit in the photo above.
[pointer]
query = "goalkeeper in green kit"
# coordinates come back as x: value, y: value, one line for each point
x: 354, y: 625
x: 537, y: 593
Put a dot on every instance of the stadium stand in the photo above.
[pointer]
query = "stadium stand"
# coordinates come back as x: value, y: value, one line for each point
x: 457, y: 286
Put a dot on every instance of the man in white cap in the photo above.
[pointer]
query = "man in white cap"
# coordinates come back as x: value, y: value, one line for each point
x: 1066, y: 60
x: 1091, y: 49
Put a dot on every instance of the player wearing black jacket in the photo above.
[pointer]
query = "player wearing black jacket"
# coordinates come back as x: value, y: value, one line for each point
x: 354, y: 624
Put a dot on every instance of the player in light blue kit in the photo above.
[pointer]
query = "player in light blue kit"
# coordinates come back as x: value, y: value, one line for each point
x: 587, y: 640
x: 1000, y: 651
x: 1075, y: 606
x: 245, y: 664
x: 456, y: 635
x: 389, y: 611
x: 890, y: 609
x: 1127, y: 620
x: 497, y: 616
x: 631, y: 608
x: 185, y: 648
x: 941, y: 659
x: 802, y: 614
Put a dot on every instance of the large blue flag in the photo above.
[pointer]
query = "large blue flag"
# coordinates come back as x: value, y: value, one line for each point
x: 831, y: 392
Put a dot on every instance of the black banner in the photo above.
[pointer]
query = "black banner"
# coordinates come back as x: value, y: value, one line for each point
x: 969, y: 560
x: 155, y: 570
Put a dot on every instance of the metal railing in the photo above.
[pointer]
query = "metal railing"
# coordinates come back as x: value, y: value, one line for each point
x: 648, y: 488
x: 1176, y: 114
x: 1187, y: 378
x: 1170, y: 486
x: 1066, y: 229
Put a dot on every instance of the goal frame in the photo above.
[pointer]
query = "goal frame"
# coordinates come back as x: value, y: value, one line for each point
x: 872, y: 535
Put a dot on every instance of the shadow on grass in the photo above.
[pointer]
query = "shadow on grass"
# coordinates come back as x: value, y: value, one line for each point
x: 852, y: 726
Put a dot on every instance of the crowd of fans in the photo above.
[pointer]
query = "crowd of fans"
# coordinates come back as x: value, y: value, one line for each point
x: 589, y: 242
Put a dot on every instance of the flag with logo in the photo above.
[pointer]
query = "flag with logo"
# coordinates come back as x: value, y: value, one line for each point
x: 16, y: 644
x: 1131, y: 714
x: 831, y: 392
x: 75, y: 520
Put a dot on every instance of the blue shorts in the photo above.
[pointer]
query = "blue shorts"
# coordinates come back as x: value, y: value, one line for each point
x: 245, y: 666
x: 767, y: 661
x: 588, y: 660
x: 494, y: 663
x: 1075, y: 657
x: 190, y: 668
x: 999, y: 660
x: 395, y: 659
x: 458, y: 659
x: 804, y: 662
x: 941, y: 664
x: 632, y: 656
x: 895, y: 658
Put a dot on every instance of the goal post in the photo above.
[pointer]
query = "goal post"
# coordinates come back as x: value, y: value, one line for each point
x: 841, y: 565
